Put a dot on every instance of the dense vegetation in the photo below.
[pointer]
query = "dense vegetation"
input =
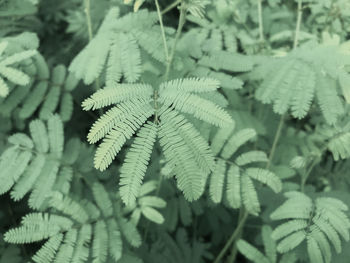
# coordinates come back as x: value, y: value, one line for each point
x: 174, y: 131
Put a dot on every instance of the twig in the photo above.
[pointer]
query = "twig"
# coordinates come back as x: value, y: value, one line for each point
x: 275, y: 141
x: 233, y: 255
x: 171, y: 6
x: 89, y: 26
x: 170, y: 58
x: 297, y: 29
x: 88, y: 18
x: 280, y: 125
x: 182, y: 21
x: 261, y: 26
x: 316, y: 159
x: 166, y: 51
x: 234, y: 235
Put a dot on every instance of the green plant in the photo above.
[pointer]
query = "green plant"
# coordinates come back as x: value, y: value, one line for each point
x: 147, y: 131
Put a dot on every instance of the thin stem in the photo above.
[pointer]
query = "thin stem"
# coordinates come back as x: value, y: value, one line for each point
x: 233, y: 255
x: 88, y: 18
x: 261, y: 25
x: 169, y: 60
x: 182, y: 21
x: 234, y: 235
x: 166, y: 52
x: 280, y: 125
x: 163, y: 31
x: 275, y: 141
x: 307, y: 173
x: 297, y: 29
x: 171, y: 6
x: 311, y: 167
x: 155, y: 104
x: 89, y: 26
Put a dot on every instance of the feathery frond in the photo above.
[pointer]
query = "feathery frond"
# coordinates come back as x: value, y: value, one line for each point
x: 293, y: 81
x: 236, y: 176
x: 192, y: 104
x: 317, y: 222
x: 10, y: 73
x: 33, y: 163
x: 135, y: 164
x: 70, y: 226
x: 189, y: 165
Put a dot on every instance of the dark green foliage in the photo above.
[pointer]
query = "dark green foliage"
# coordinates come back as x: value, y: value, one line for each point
x: 187, y: 131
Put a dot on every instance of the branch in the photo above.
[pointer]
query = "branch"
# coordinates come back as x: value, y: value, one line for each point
x: 171, y: 6
x: 89, y: 26
x: 261, y: 26
x: 182, y: 21
x: 297, y: 29
x: 234, y: 235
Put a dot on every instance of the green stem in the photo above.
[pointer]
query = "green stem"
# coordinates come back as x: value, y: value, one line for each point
x: 233, y: 255
x: 295, y: 44
x: 261, y: 25
x: 171, y: 6
x: 169, y: 60
x: 275, y: 141
x: 297, y: 29
x: 155, y: 104
x: 306, y: 175
x: 88, y: 18
x: 182, y: 21
x: 234, y: 235
x: 311, y: 167
x: 89, y: 26
x: 166, y: 52
x: 243, y: 218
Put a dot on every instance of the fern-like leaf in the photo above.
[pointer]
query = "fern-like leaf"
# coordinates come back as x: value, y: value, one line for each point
x: 116, y: 138
x: 237, y: 140
x: 251, y: 252
x: 130, y: 57
x: 311, y: 71
x: 135, y: 164
x: 112, y: 117
x: 250, y: 196
x: 195, y: 85
x: 227, y: 61
x: 48, y: 250
x: 72, y: 225
x: 9, y: 72
x: 328, y: 99
x: 217, y: 181
x: 89, y: 63
x: 100, y: 242
x: 116, y: 94
x: 265, y: 177
x: 291, y: 241
x: 192, y: 104
x: 318, y: 222
x: 233, y: 187
x: 180, y: 156
x: 238, y: 178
